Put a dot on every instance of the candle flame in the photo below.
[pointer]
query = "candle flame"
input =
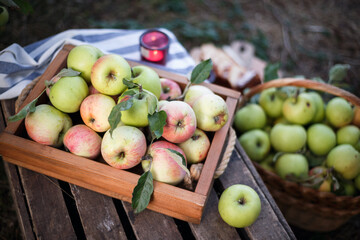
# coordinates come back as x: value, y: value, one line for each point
x: 153, y: 38
x: 155, y: 52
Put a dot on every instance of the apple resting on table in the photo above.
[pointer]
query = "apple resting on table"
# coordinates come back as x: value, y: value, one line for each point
x: 82, y: 141
x: 180, y: 121
x: 47, y: 125
x: 124, y: 148
x: 108, y: 72
x: 165, y: 164
x: 81, y: 58
x: 95, y: 110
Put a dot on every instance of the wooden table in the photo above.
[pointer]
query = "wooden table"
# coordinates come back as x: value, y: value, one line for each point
x: 48, y: 208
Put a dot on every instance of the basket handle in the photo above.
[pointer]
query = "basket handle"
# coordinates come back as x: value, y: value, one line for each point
x: 306, y: 84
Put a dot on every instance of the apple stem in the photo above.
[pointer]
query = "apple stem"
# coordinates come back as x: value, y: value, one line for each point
x: 184, y: 92
x: 195, y: 137
x: 241, y: 201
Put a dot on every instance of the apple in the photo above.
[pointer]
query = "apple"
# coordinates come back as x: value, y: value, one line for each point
x: 339, y: 112
x: 196, y: 147
x: 272, y: 103
x: 320, y: 107
x: 164, y: 164
x: 321, y: 172
x: 53, y: 81
x: 239, y: 205
x: 211, y: 112
x: 148, y: 78
x: 180, y: 122
x: 320, y: 139
x: 166, y: 144
x: 256, y: 144
x: 345, y: 160
x: 47, y: 125
x: 108, y: 72
x: 124, y: 148
x: 194, y: 92
x: 348, y: 134
x: 288, y: 138
x: 169, y: 89
x: 356, y: 118
x: 82, y: 141
x: 68, y: 93
x: 93, y: 90
x: 4, y: 16
x: 95, y: 111
x: 292, y: 164
x: 300, y: 109
x: 81, y: 58
x: 137, y: 115
x: 249, y: 117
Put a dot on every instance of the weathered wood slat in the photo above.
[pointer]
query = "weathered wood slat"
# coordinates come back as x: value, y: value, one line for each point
x: 269, y: 224
x: 48, y: 212
x: 212, y: 226
x: 152, y: 225
x: 98, y: 214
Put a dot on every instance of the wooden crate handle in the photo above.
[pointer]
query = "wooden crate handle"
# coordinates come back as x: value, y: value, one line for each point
x: 306, y: 83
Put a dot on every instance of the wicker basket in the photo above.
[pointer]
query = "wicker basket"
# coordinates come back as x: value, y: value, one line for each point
x: 304, y: 207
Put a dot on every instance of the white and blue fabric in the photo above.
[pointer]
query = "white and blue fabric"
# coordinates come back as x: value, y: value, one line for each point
x: 19, y: 66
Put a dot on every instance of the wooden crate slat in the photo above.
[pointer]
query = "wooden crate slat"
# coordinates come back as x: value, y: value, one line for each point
x: 98, y: 214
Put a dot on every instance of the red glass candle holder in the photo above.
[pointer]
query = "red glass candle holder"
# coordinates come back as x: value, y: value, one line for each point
x: 154, y: 46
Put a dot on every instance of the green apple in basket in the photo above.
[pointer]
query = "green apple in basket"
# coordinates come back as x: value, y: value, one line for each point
x: 249, y: 117
x: 81, y: 58
x: 239, y: 205
x: 339, y: 112
x: 300, y: 109
x: 271, y: 100
x: 348, y: 134
x: 320, y: 107
x: 256, y: 144
x: 320, y: 139
x: 292, y: 164
x: 68, y: 93
x: 288, y: 137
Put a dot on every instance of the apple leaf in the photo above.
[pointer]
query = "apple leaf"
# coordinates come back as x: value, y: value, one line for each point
x: 157, y: 121
x: 271, y: 71
x: 115, y: 115
x: 152, y: 103
x: 129, y: 83
x: 201, y: 72
x: 142, y: 192
x: 338, y: 72
x: 29, y: 108
x: 181, y: 161
x: 68, y: 72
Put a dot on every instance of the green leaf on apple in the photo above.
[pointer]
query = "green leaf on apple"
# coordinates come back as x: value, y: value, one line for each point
x: 338, y: 72
x: 201, y: 72
x: 68, y: 72
x: 115, y: 115
x: 142, y: 192
x: 157, y: 122
x: 129, y: 83
x: 271, y: 71
x: 152, y: 103
x: 29, y: 108
x: 181, y: 163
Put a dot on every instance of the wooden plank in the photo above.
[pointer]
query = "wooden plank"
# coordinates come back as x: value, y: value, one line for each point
x: 270, y: 223
x: 212, y: 226
x: 47, y: 207
x: 152, y: 225
x: 98, y: 214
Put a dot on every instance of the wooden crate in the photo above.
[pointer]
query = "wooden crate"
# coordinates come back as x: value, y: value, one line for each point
x: 174, y: 201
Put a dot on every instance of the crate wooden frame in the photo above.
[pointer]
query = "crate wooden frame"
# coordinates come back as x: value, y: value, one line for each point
x: 167, y: 199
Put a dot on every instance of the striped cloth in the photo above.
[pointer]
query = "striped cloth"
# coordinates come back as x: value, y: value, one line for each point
x: 19, y: 66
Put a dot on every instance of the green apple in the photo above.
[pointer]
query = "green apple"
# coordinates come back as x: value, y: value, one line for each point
x: 339, y: 112
x: 249, y: 117
x: 348, y: 134
x: 292, y: 164
x: 349, y: 188
x: 137, y: 115
x: 211, y: 112
x: 288, y: 138
x: 272, y: 103
x: 81, y: 58
x: 4, y: 16
x: 320, y: 107
x: 345, y: 160
x: 47, y: 125
x: 256, y: 144
x: 320, y: 139
x: 357, y: 146
x: 300, y: 109
x: 239, y: 205
x: 68, y: 93
x: 108, y: 72
x: 148, y: 78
